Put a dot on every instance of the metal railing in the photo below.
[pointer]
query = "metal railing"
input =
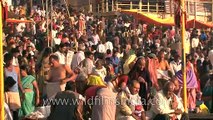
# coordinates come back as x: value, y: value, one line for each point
x: 141, y: 6
x: 198, y: 8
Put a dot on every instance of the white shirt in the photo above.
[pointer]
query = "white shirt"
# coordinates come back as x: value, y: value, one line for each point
x: 77, y: 59
x: 15, y: 62
x: 54, y: 32
x: 31, y: 53
x: 175, y: 67
x: 69, y: 57
x: 33, y: 46
x: 109, y: 45
x: 21, y: 27
x: 43, y: 13
x: 96, y: 39
x: 101, y: 72
x: 195, y: 42
x: 61, y: 27
x: 101, y: 48
x: 43, y: 26
x: 88, y: 66
x: 61, y: 57
x: 39, y: 12
x: 210, y: 56
x: 162, y: 105
x: 135, y: 100
x: 56, y: 41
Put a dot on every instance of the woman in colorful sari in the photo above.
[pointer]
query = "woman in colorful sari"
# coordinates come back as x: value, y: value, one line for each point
x: 192, y: 84
x: 31, y: 93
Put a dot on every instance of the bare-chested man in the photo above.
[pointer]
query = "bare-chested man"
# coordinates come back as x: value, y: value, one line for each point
x: 58, y: 77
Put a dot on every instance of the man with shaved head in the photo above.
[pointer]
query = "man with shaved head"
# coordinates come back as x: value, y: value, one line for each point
x: 130, y: 107
x: 166, y: 104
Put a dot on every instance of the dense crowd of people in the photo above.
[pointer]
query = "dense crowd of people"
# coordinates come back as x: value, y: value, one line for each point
x: 117, y: 68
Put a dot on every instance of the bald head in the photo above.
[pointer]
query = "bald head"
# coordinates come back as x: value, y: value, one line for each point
x: 176, y: 83
x: 168, y: 89
x: 134, y: 87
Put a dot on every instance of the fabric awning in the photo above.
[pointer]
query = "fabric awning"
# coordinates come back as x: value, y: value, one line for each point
x: 151, y: 19
x: 154, y: 20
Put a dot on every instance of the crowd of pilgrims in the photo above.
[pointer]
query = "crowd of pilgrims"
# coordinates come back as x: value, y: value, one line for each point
x: 119, y: 59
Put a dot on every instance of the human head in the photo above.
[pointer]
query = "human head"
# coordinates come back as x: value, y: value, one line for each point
x: 8, y: 83
x: 53, y: 60
x: 23, y: 70
x: 47, y: 52
x: 70, y: 86
x: 68, y: 46
x: 8, y: 59
x: 109, y: 52
x: 152, y: 56
x: 168, y: 89
x: 141, y: 63
x: 62, y: 48
x: 161, y: 55
x: 176, y: 56
x: 90, y: 55
x: 134, y: 87
x: 99, y: 64
x: 15, y: 52
x: 81, y: 47
x: 176, y: 83
x: 81, y: 83
x: 29, y: 48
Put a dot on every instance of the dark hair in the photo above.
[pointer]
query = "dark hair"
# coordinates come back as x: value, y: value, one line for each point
x: 166, y: 86
x: 8, y: 83
x: 14, y: 50
x: 8, y: 57
x: 23, y: 67
x: 88, y: 54
x: 131, y: 84
x: 24, y: 52
x: 108, y: 51
x: 29, y: 46
x: 67, y: 44
x: 100, y: 62
x: 55, y: 57
x: 47, y: 51
x: 62, y: 45
x: 70, y: 86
